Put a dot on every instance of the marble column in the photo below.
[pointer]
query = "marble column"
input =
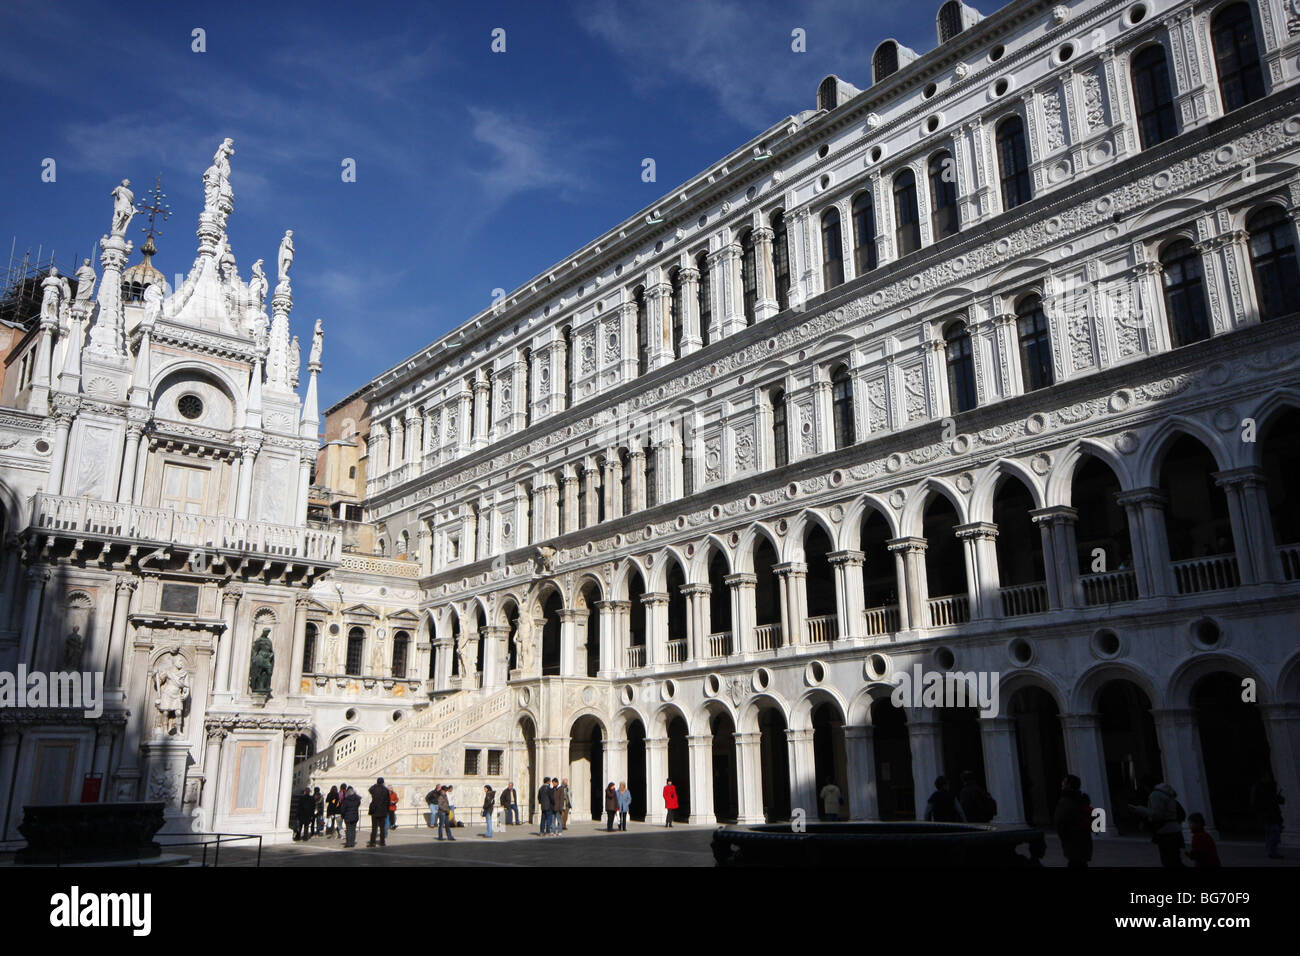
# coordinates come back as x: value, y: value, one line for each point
x: 701, y: 762
x: 1282, y: 725
x: 216, y: 737
x: 1002, y: 768
x: 849, y: 597
x: 749, y: 777
x: 1145, y: 508
x: 979, y: 541
x: 803, y: 773
x: 284, y: 795
x: 656, y: 753
x: 1085, y: 757
x: 1252, y: 526
x: 1056, y: 526
x: 912, y: 585
x: 689, y: 290
x: 743, y: 611
x: 927, y: 757
x: 126, y: 487
x: 229, y: 606
x: 36, y: 580
x: 59, y: 453
x: 860, y: 758
x: 114, y: 665
x: 1184, y: 765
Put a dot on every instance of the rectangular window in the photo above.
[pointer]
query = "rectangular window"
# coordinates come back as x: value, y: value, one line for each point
x: 471, y: 763
x: 494, y: 763
x: 184, y: 488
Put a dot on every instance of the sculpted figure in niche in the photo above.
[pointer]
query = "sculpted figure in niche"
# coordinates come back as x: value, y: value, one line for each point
x: 262, y: 664
x: 73, y: 645
x: 171, y: 684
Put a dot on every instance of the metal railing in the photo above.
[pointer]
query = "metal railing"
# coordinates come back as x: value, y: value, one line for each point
x: 1024, y: 599
x: 1214, y: 573
x: 216, y: 841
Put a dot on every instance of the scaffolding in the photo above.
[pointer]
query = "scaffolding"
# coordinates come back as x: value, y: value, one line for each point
x: 20, y: 289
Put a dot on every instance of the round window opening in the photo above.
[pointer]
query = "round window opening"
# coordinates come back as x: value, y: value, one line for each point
x: 1207, y: 632
x: 397, y: 715
x: 350, y: 715
x: 1021, y: 651
x: 190, y: 406
x: 945, y: 658
x: 1107, y: 643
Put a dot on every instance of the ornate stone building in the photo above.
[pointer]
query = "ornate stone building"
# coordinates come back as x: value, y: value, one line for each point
x: 987, y: 368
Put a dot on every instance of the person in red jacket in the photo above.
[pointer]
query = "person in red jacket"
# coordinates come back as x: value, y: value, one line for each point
x: 392, y: 808
x: 670, y: 801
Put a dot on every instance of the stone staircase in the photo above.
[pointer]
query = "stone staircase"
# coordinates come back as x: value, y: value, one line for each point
x: 407, y: 754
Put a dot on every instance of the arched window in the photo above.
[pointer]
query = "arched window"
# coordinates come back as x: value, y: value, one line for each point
x: 832, y: 250
x: 567, y: 334
x: 949, y: 20
x: 675, y: 309
x: 1151, y: 94
x: 842, y: 407
x: 401, y: 641
x: 943, y: 196
x: 642, y: 332
x: 1013, y: 162
x: 651, y: 474
x: 1184, y: 293
x: 961, y: 367
x: 780, y: 261
x: 1035, y: 344
x: 864, y: 231
x: 688, y: 459
x: 907, y: 219
x: 309, y: 650
x: 352, y: 471
x: 780, y: 446
x: 885, y: 61
x: 828, y: 94
x: 705, y: 296
x: 1273, y: 261
x: 748, y: 276
x: 1236, y: 57
x: 356, y: 645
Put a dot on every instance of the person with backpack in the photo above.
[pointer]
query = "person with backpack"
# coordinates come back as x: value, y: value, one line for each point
x: 431, y: 798
x: 942, y: 807
x: 1073, y: 821
x: 976, y: 802
x: 1164, y: 817
x: 350, y: 812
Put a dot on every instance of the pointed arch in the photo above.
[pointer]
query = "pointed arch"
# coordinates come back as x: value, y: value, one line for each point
x: 747, y: 719
x: 858, y: 511
x: 1184, y: 678
x: 744, y: 555
x: 801, y: 527
x: 1083, y: 696
x: 698, y: 573
x: 1158, y: 442
x: 914, y: 509
x: 991, y: 478
x: 1060, y: 480
x: 802, y: 710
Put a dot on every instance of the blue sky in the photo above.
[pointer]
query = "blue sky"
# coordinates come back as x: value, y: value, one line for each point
x: 475, y: 170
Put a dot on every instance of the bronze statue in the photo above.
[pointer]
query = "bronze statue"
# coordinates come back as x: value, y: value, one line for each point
x: 263, y: 663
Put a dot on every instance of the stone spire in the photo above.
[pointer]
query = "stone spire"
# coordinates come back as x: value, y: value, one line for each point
x: 309, y: 423
x: 106, y: 332
x: 277, y: 359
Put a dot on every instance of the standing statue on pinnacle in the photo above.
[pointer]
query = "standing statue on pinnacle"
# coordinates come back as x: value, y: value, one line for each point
x: 216, y: 179
x: 286, y: 256
x: 317, y: 340
x: 123, y: 208
x: 295, y: 360
x: 52, y: 287
x: 85, y: 281
x: 257, y: 285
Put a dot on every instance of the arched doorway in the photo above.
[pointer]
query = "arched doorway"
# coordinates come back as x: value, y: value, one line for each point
x: 1040, y: 751
x: 679, y: 768
x: 726, y: 789
x: 1022, y: 578
x: 819, y: 585
x: 720, y: 640
x: 830, y: 761
x: 551, y: 635
x: 1129, y: 748
x: 510, y: 619
x: 945, y: 565
x: 636, y: 652
x: 636, y: 781
x: 961, y: 745
x: 1199, y: 529
x: 879, y: 576
x: 1105, y: 548
x: 893, y: 761
x: 767, y: 606
x: 586, y: 768
x: 774, y: 758
x: 588, y: 651
x: 1234, y: 749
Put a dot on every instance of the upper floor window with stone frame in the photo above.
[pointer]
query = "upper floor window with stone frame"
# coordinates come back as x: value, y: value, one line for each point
x: 1273, y: 261
x: 651, y: 474
x: 704, y: 296
x: 309, y: 648
x: 885, y: 61
x: 1184, y: 284
x: 1013, y: 162
x: 960, y: 361
x: 1153, y: 96
x: 748, y: 276
x: 1236, y: 56
x: 675, y: 308
x: 842, y: 406
x: 780, y: 260
x: 780, y: 431
x: 828, y: 94
x: 832, y: 250
x: 907, y: 217
x: 688, y: 458
x: 1035, y: 343
x: 566, y: 334
x: 527, y: 400
x: 356, y: 651
x: 949, y: 20
x: 401, y: 643
x: 864, y: 231
x: 642, y: 331
x: 943, y: 196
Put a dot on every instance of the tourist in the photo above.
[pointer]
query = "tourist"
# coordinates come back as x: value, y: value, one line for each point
x: 332, y: 811
x: 1266, y: 800
x: 378, y: 811
x: 306, y: 813
x: 670, y: 802
x: 350, y: 811
x: 1073, y: 821
x: 611, y: 806
x: 1203, y: 852
x: 565, y: 805
x: 319, y: 815
x: 444, y: 814
x: 510, y: 804
x: 831, y: 799
x: 431, y: 799
x: 392, y: 808
x: 624, y: 804
x: 1164, y: 817
x: 545, y: 804
x: 942, y: 807
x: 976, y: 802
x: 489, y: 804
x: 557, y: 804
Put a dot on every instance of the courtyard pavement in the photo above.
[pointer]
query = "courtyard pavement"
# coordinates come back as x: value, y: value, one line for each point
x: 648, y: 845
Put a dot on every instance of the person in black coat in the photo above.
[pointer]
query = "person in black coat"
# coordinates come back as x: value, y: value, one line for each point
x: 379, y: 798
x: 942, y: 807
x: 546, y: 805
x: 304, y: 814
x: 1073, y: 821
x: 350, y: 808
